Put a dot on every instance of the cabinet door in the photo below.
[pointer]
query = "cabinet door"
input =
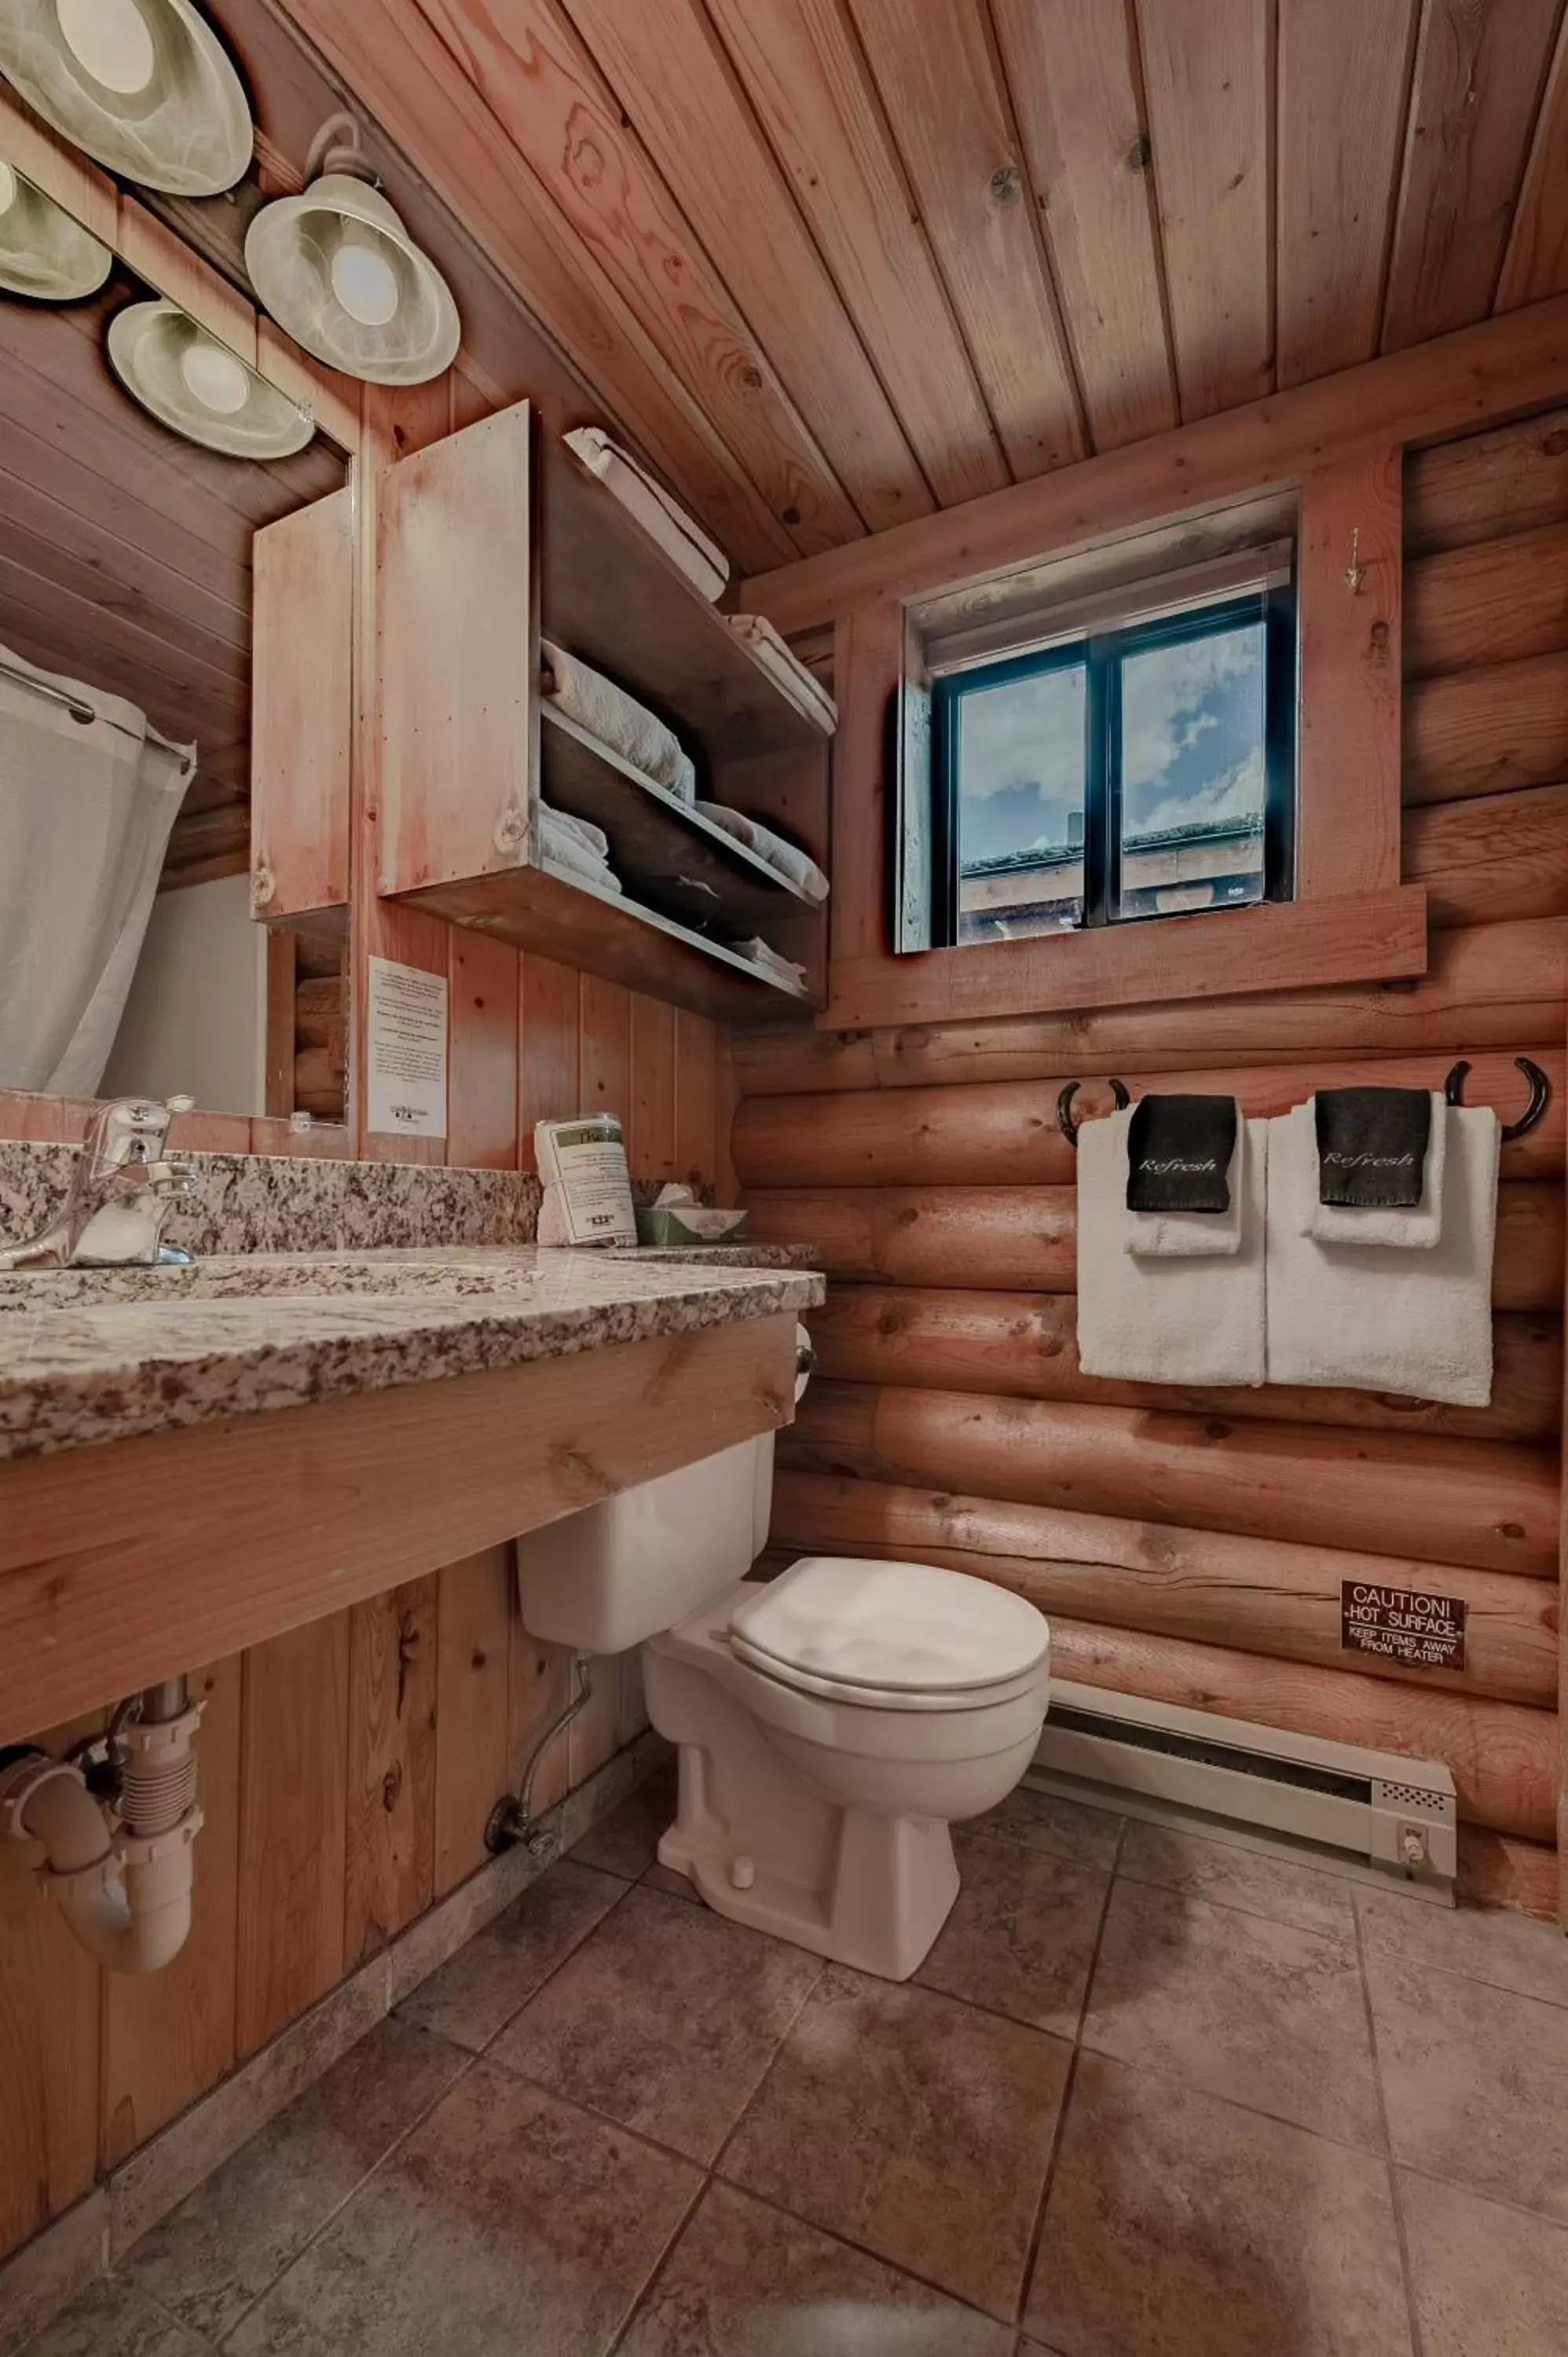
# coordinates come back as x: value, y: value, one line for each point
x: 301, y: 708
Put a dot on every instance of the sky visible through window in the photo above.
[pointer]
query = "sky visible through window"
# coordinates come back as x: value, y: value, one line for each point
x: 1192, y: 721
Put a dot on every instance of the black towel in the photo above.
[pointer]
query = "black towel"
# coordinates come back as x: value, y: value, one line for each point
x: 1371, y: 1146
x: 1178, y: 1154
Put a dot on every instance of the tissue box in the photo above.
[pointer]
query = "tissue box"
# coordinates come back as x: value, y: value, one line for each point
x: 690, y: 1223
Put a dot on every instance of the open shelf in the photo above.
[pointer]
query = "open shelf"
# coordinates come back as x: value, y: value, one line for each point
x: 667, y: 855
x: 610, y: 593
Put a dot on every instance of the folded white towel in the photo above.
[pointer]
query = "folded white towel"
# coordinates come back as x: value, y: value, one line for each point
x: 790, y: 861
x: 805, y: 692
x: 616, y: 718
x: 1418, y: 1323
x: 1190, y: 1235
x: 702, y: 560
x: 762, y: 954
x: 1180, y: 1320
x: 578, y: 846
x: 1415, y: 1230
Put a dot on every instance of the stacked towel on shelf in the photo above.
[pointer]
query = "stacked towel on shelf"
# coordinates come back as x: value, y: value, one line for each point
x: 578, y: 845
x: 664, y: 520
x: 761, y: 954
x: 1417, y: 1322
x: 808, y: 694
x: 795, y: 866
x: 616, y: 718
x: 1189, y: 1316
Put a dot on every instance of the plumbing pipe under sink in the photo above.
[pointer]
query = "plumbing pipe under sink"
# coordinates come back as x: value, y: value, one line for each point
x: 124, y: 1890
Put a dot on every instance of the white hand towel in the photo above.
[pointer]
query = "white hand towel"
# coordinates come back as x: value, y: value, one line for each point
x: 1418, y: 1323
x: 1180, y: 1320
x: 772, y: 961
x: 616, y: 718
x: 575, y: 847
x: 682, y: 538
x: 1415, y: 1230
x: 790, y: 861
x: 1190, y: 1235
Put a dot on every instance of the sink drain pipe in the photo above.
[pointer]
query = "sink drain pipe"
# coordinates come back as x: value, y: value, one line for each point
x: 122, y: 1875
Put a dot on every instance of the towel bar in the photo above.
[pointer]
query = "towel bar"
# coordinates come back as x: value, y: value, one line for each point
x: 1453, y: 1091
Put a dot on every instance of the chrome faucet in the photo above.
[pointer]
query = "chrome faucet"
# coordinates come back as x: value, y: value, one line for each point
x: 122, y: 1191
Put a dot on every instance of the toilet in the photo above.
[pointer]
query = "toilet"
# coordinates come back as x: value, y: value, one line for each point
x: 832, y: 1724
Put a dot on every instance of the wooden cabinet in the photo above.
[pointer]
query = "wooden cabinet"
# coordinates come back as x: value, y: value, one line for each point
x: 486, y: 540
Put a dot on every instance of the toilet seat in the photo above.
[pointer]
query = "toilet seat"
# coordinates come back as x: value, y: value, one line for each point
x: 891, y: 1636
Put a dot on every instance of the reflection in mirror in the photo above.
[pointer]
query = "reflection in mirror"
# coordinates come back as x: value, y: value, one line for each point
x: 129, y: 960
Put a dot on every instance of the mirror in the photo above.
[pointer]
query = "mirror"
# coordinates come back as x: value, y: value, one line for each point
x: 129, y: 960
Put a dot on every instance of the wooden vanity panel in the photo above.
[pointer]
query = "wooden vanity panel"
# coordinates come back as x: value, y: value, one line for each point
x: 293, y: 1825
x: 120, y: 1564
x: 390, y: 1862
x: 474, y: 1615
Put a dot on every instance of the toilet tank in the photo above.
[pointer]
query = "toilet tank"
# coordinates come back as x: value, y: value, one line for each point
x: 613, y: 1574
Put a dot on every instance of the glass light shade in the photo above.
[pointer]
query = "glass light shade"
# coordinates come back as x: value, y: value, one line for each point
x: 44, y: 252
x: 198, y: 388
x: 339, y: 272
x: 144, y: 87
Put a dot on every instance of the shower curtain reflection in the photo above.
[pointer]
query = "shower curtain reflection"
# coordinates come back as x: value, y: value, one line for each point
x: 85, y: 813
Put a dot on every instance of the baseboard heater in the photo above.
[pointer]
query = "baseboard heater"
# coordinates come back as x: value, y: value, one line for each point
x: 1157, y: 1760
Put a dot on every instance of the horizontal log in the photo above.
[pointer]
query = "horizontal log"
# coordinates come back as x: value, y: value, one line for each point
x: 321, y: 1014
x: 1004, y: 1133
x: 1259, y: 1595
x: 1502, y: 1757
x: 1025, y: 1346
x: 318, y: 1083
x: 1495, y: 601
x: 1486, y: 732
x: 1490, y: 859
x: 1486, y: 1503
x: 1025, y: 1239
x: 1485, y: 484
x: 1492, y: 986
x: 1501, y: 1870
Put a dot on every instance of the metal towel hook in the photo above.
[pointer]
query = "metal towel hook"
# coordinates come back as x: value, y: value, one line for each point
x: 1540, y: 1096
x: 1065, y: 1122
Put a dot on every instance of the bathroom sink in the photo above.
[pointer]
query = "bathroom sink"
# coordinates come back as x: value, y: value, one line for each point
x: 260, y: 1276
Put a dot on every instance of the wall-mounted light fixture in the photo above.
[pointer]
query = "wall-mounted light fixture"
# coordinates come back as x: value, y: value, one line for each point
x: 340, y: 273
x: 43, y: 252
x: 197, y: 387
x: 142, y: 86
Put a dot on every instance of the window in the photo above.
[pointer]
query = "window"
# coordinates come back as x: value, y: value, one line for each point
x: 1140, y: 770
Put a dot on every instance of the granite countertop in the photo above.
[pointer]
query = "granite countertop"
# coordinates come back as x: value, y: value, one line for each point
x: 100, y: 1354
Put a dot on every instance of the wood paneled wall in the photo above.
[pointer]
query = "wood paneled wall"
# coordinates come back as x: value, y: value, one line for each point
x: 1190, y: 1544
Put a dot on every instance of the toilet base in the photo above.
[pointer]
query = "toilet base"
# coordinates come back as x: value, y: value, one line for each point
x: 889, y: 1890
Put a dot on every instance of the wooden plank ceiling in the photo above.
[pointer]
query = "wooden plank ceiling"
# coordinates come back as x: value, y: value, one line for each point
x: 835, y: 263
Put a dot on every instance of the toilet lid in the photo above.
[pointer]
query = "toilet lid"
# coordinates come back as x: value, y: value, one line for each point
x: 890, y: 1629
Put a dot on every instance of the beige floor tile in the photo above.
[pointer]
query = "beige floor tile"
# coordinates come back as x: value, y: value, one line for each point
x: 746, y: 2281
x: 627, y: 1841
x: 675, y: 1886
x: 1237, y: 2006
x: 1021, y: 1936
x: 1280, y: 1888
x: 508, y: 2223
x: 1476, y: 2081
x: 1181, y: 2226
x: 1042, y: 1820
x: 475, y: 1994
x: 115, y: 2320
x: 1488, y: 2281
x: 1485, y: 1943
x: 665, y: 2019
x: 913, y: 2124
x: 210, y: 2258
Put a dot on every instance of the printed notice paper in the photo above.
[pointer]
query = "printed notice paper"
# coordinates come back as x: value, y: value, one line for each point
x: 405, y: 1050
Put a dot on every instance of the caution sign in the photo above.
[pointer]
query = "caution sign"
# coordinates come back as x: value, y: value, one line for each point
x: 1402, y: 1624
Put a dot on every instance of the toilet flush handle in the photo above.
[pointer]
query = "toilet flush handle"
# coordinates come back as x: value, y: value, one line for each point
x: 805, y: 1360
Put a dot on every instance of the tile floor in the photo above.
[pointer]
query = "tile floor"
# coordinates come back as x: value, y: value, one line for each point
x: 1150, y: 2095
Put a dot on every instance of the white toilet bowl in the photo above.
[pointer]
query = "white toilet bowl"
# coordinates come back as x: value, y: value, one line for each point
x: 832, y: 1724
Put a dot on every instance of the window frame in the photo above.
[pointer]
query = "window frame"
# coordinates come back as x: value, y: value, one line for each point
x: 1101, y: 654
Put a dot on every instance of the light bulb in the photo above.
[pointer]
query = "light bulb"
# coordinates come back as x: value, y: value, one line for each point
x: 111, y: 40
x: 215, y: 377
x: 364, y: 283
x: 7, y: 187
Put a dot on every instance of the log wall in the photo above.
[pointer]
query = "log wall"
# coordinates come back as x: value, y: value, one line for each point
x: 1190, y: 1544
